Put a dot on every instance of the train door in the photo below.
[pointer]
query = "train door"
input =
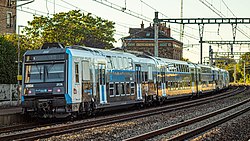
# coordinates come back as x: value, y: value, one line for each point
x: 196, y: 79
x: 102, y: 83
x: 76, y: 85
x: 138, y: 81
x: 163, y: 84
x: 87, y: 86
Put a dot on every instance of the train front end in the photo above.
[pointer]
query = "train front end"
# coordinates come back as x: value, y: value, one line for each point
x: 44, y: 84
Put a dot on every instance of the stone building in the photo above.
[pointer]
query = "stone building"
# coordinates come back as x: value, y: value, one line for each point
x: 142, y: 39
x: 7, y: 16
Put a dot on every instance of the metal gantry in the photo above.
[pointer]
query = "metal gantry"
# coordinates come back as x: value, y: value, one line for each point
x: 201, y: 22
x: 227, y: 42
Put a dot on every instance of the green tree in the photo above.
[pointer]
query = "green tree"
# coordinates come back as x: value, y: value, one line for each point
x: 71, y: 28
x: 244, y: 59
x: 8, y: 58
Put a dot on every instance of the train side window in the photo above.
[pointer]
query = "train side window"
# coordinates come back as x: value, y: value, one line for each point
x: 132, y: 88
x: 150, y: 75
x: 130, y: 63
x: 122, y: 89
x: 76, y: 72
x: 85, y: 70
x: 120, y: 63
x: 117, y: 89
x: 127, y: 89
x: 169, y: 85
x: 146, y: 76
x: 111, y: 89
x: 114, y: 62
x: 109, y: 64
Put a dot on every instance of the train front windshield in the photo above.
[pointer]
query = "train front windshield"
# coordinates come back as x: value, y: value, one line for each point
x: 44, y: 73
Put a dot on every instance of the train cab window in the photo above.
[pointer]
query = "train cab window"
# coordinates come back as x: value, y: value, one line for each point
x: 111, y: 89
x: 117, y: 89
x: 127, y: 89
x: 77, y: 72
x: 132, y: 88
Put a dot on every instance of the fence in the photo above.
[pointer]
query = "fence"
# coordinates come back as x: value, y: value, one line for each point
x: 8, y: 95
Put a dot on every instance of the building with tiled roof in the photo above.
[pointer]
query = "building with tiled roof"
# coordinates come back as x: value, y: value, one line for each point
x: 7, y: 16
x: 142, y: 39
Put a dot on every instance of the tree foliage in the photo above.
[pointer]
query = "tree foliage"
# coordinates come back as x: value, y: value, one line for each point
x: 71, y: 28
x: 8, y: 65
x: 236, y: 69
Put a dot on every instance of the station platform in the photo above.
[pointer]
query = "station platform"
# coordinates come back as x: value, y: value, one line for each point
x: 11, y: 115
x: 10, y: 110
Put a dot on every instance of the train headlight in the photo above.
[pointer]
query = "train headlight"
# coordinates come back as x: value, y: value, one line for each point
x: 28, y: 91
x: 58, y: 90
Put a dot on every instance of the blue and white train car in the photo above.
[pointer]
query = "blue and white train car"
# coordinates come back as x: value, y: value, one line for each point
x: 69, y: 81
x: 61, y: 82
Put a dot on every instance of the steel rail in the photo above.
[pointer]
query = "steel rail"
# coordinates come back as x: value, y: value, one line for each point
x: 183, y: 124
x: 14, y: 128
x: 43, y: 133
x: 206, y: 127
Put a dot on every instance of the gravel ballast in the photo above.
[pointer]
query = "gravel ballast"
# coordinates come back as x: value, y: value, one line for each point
x: 123, y: 130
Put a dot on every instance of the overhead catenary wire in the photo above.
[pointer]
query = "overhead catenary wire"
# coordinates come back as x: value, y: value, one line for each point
x: 125, y: 10
x: 36, y: 12
x: 220, y: 14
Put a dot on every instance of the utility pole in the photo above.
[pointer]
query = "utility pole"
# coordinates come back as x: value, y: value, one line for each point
x: 19, y: 76
x: 156, y: 23
x: 235, y: 74
x: 181, y: 25
x: 244, y: 72
x: 202, y: 21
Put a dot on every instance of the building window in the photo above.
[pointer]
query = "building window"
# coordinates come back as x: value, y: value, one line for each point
x: 8, y: 19
x: 9, y: 3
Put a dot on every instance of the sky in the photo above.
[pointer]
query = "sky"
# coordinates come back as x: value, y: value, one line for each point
x: 147, y: 8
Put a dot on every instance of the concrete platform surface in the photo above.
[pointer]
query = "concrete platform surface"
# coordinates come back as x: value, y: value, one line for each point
x: 10, y: 110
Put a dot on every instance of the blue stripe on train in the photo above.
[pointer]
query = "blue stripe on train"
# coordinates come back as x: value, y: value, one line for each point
x: 103, y: 96
x: 68, y: 96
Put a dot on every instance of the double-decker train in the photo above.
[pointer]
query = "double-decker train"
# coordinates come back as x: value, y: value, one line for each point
x: 63, y: 81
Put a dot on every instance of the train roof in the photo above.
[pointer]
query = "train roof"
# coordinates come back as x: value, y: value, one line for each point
x: 101, y: 52
x: 45, y: 51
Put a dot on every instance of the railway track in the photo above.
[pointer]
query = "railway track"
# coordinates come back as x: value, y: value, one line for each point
x: 196, y: 131
x: 73, y: 127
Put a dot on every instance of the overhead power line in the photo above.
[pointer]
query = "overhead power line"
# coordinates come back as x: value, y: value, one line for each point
x: 220, y: 14
x: 124, y: 9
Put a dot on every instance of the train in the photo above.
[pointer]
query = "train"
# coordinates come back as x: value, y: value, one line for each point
x: 69, y: 81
